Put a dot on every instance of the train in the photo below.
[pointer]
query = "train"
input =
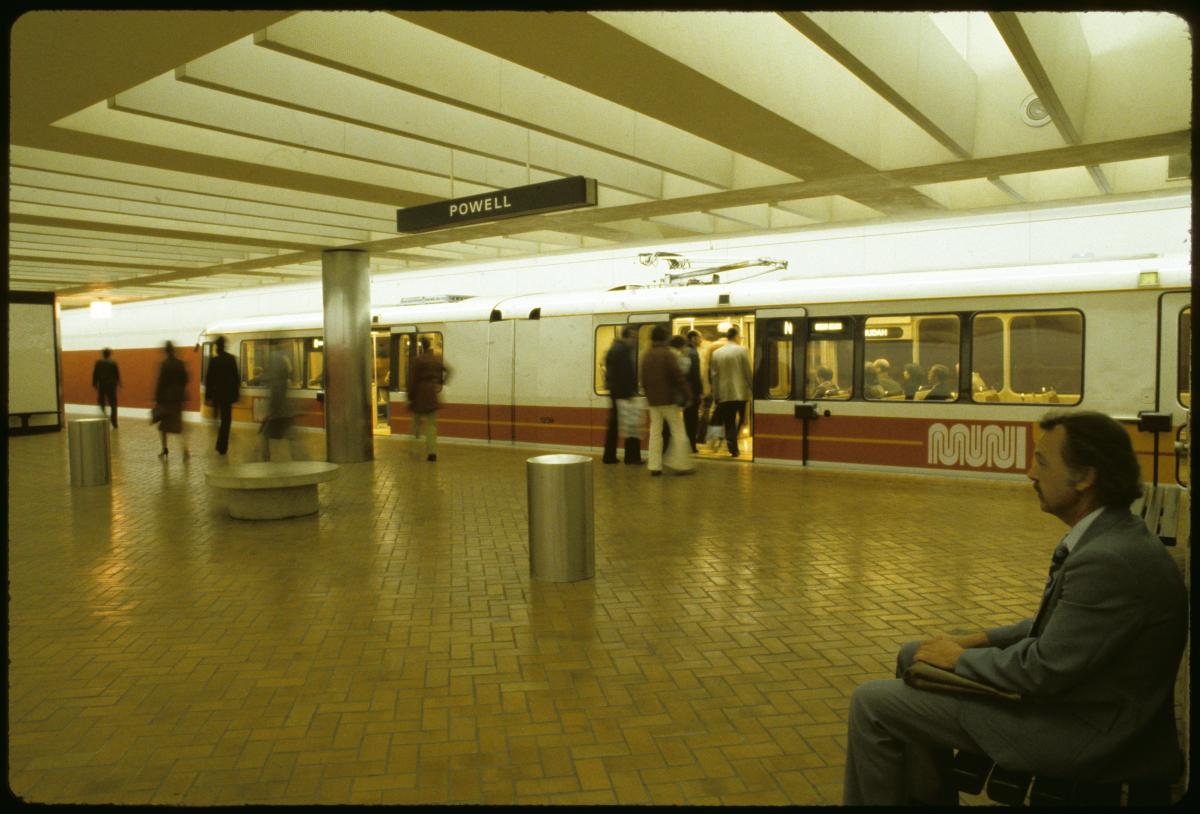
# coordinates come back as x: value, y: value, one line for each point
x: 1112, y: 336
x: 1013, y: 342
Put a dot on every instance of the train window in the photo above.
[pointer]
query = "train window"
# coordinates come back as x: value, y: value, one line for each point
x: 776, y: 364
x: 404, y: 348
x: 1027, y: 357
x: 435, y: 342
x: 381, y: 360
x: 605, y: 336
x: 402, y: 351
x: 987, y: 357
x: 314, y: 363
x: 256, y: 356
x: 907, y: 356
x: 829, y: 359
x: 206, y: 353
x: 1185, y: 358
x: 1183, y: 452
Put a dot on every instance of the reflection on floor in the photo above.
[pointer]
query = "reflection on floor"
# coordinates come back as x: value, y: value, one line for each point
x: 393, y: 649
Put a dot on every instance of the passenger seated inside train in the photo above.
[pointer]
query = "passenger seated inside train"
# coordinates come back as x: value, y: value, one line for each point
x: 913, y: 378
x: 889, y: 386
x: 1094, y: 668
x: 825, y: 386
x: 871, y: 388
x: 939, y: 384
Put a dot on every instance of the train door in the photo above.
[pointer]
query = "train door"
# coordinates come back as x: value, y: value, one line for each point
x: 712, y: 329
x: 501, y: 368
x: 1175, y: 385
x: 381, y: 381
x: 405, y: 346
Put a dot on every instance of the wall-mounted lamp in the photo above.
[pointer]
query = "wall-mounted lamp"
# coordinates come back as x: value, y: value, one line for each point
x: 1147, y: 279
x: 100, y: 309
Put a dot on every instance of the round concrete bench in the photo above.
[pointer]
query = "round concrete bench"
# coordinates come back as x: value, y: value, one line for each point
x: 272, y: 491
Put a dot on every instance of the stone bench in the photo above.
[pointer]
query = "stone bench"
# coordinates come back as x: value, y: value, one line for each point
x: 271, y: 491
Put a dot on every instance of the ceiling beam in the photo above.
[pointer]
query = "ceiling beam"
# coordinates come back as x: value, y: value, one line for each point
x: 1052, y: 52
x: 589, y: 219
x: 908, y: 75
x: 622, y: 69
x: 912, y: 77
x: 64, y: 61
x: 150, y: 231
x: 75, y: 143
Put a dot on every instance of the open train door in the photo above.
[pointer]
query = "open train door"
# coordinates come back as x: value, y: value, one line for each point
x: 712, y: 329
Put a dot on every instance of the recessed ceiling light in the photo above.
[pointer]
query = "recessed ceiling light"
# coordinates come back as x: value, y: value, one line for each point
x: 1033, y: 112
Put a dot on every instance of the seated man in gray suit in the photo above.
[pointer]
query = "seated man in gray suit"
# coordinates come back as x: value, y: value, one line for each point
x: 1095, y: 667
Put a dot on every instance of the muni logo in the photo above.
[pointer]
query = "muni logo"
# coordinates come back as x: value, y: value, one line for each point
x: 977, y: 445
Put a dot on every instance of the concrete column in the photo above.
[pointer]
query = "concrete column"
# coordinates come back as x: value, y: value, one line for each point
x: 346, y: 291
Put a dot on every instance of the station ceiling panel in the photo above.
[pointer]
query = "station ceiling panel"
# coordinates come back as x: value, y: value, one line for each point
x: 168, y: 152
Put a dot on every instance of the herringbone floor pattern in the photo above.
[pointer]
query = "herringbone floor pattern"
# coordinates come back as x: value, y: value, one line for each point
x: 393, y: 648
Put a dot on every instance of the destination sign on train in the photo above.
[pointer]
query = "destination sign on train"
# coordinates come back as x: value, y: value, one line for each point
x: 548, y: 196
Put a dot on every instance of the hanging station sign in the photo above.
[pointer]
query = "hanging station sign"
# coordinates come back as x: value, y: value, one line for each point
x: 548, y: 196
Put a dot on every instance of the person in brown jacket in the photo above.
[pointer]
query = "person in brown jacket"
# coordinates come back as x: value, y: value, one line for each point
x: 666, y: 392
x: 425, y: 379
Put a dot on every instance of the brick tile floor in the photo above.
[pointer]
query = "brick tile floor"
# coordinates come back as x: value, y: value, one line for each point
x: 393, y: 648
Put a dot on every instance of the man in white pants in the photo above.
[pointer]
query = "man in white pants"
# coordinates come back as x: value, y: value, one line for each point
x: 666, y: 392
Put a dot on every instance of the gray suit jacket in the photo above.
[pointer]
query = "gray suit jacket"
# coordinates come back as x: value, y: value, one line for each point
x: 1098, y: 682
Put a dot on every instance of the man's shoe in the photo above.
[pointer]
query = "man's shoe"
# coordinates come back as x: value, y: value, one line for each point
x: 431, y: 457
x: 609, y: 461
x: 654, y: 473
x: 638, y: 462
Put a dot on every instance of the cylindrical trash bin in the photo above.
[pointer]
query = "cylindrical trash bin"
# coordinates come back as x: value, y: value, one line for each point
x: 561, y: 535
x: 87, y: 442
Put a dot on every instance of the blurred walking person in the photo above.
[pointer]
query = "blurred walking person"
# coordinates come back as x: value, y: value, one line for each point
x: 425, y: 379
x: 221, y: 391
x: 281, y: 415
x: 106, y: 378
x: 666, y: 392
x: 169, y: 393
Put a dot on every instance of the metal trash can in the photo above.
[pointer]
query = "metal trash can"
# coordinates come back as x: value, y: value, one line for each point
x: 87, y: 442
x: 561, y: 533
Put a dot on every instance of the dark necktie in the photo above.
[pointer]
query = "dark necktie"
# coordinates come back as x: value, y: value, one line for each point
x: 1056, y: 561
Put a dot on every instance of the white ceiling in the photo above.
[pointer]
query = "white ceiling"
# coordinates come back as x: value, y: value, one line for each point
x: 159, y: 153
